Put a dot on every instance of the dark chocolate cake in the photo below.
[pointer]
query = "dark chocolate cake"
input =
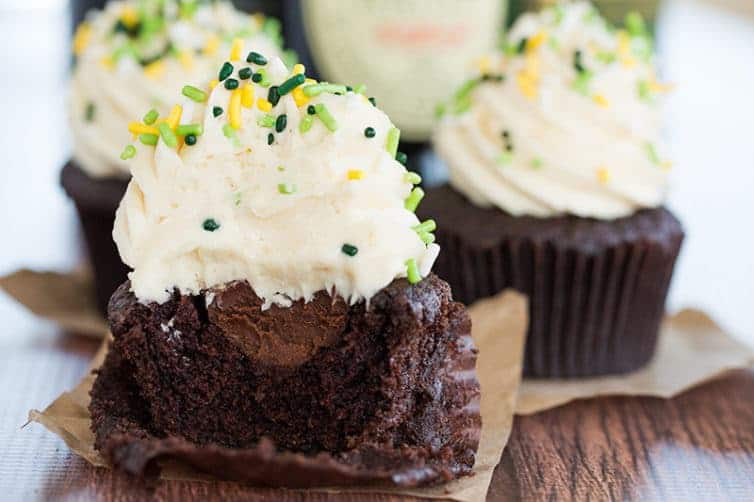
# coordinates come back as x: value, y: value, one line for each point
x: 96, y: 202
x: 596, y: 288
x: 320, y: 393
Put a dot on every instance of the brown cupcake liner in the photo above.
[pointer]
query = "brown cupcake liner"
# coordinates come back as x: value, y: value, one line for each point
x: 592, y: 313
x: 96, y: 201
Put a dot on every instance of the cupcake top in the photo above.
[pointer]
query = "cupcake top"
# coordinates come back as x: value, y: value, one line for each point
x: 272, y: 178
x: 564, y: 120
x: 137, y: 54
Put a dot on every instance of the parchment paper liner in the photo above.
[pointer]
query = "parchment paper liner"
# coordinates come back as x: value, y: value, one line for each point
x: 499, y: 328
x: 692, y: 349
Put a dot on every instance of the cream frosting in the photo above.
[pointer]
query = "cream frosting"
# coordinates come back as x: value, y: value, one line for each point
x: 561, y: 133
x: 112, y: 84
x: 283, y: 211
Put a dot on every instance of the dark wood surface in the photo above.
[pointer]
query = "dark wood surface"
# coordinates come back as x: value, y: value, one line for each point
x: 698, y: 446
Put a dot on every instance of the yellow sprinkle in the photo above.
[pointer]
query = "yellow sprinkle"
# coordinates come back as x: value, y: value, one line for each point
x: 212, y: 44
x: 601, y: 100
x: 264, y: 105
x: 310, y: 81
x: 236, y: 49
x: 155, y: 69
x: 532, y: 61
x: 258, y: 18
x: 298, y: 68
x: 299, y: 97
x: 107, y: 62
x: 624, y: 50
x: 213, y: 83
x: 247, y: 96
x: 139, y: 128
x: 667, y: 165
x: 603, y: 174
x: 82, y: 38
x: 174, y: 118
x: 534, y: 42
x: 129, y: 16
x: 484, y: 64
x: 527, y: 84
x: 355, y: 174
x: 187, y: 59
x: 234, y: 109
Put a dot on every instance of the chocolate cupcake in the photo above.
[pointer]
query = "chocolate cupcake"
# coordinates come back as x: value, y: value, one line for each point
x: 281, y: 325
x: 134, y: 56
x: 556, y: 189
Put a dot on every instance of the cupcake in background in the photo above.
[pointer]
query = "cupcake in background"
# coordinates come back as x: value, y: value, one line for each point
x: 132, y: 56
x: 557, y: 184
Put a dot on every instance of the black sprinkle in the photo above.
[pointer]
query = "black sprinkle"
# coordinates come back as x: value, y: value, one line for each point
x: 244, y: 73
x: 522, y: 45
x: 273, y: 96
x: 256, y: 78
x: 270, y: 139
x: 349, y: 249
x: 373, y: 101
x: 231, y: 84
x: 281, y: 122
x: 369, y: 132
x: 311, y: 110
x: 225, y: 71
x: 210, y: 225
x: 190, y: 139
x: 401, y: 157
x: 217, y: 111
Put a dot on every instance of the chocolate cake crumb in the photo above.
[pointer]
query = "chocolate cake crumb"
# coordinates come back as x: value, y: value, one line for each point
x: 319, y: 393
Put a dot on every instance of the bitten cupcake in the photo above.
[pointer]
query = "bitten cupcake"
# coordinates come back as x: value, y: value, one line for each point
x: 281, y: 324
x: 135, y: 55
x: 557, y: 183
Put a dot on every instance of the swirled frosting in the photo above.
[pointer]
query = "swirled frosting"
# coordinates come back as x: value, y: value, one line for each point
x: 295, y: 196
x: 135, y: 55
x: 562, y: 121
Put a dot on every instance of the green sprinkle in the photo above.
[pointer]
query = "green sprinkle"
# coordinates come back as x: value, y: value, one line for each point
x: 425, y: 226
x: 90, y: 111
x: 244, y: 73
x: 652, y: 153
x: 256, y: 58
x: 393, y: 137
x: 465, y: 89
x: 581, y: 82
x: 402, y: 158
x: 266, y: 120
x: 606, y: 57
x: 373, y: 100
x: 412, y: 178
x: 578, y: 64
x: 151, y: 116
x: 281, y: 168
x: 230, y: 133
x: 264, y: 79
x: 312, y: 90
x: 311, y: 110
x: 190, y: 139
x: 210, y: 225
x: 426, y: 237
x: 635, y: 24
x: 291, y: 83
x: 510, y: 49
x: 413, y: 199
x: 644, y: 91
x: 148, y: 139
x: 305, y: 124
x: 349, y: 249
x: 289, y: 57
x: 231, y: 84
x: 256, y: 78
x: 186, y: 129
x: 536, y: 163
x: 225, y: 71
x: 128, y: 152
x: 521, y: 47
x: 270, y: 139
x: 504, y: 158
x: 217, y: 111
x: 286, y: 188
x: 553, y: 43
x: 273, y: 95
x: 369, y: 132
x: 412, y: 271
x: 237, y: 199
x: 194, y: 93
x: 360, y: 89
x: 281, y: 122
x: 324, y: 115
x: 440, y: 110
x: 167, y: 135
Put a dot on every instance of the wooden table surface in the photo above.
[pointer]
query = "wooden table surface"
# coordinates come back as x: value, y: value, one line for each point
x: 698, y: 446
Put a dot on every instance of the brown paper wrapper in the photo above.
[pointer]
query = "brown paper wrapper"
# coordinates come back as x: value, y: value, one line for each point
x: 65, y: 299
x: 499, y: 330
x: 692, y: 350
